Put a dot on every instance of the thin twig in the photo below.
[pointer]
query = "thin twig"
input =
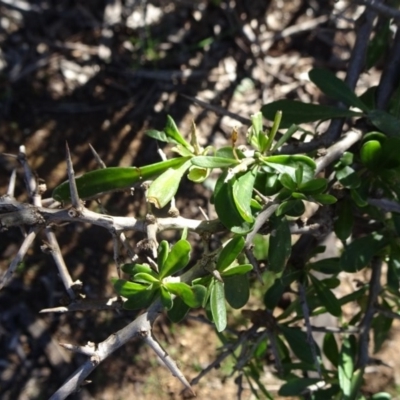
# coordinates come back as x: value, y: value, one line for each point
x: 11, y: 184
x: 336, y: 150
x: 76, y: 203
x: 229, y: 351
x: 385, y: 205
x: 114, y: 303
x: 387, y: 313
x: 19, y: 256
x: 55, y: 252
x: 166, y: 359
x: 137, y: 328
x: 380, y: 8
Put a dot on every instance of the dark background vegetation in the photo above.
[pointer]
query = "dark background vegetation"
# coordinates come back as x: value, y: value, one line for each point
x: 102, y: 72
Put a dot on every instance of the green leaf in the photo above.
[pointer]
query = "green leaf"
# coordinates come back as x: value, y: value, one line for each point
x: 296, y: 386
x: 381, y: 326
x: 226, y: 208
x: 274, y: 294
x: 161, y: 136
x: 214, y: 162
x: 197, y: 174
x: 296, y: 112
x: 255, y: 134
x: 335, y: 88
x: 358, y: 197
x: 288, y: 182
x: 143, y: 277
x: 134, y: 268
x: 237, y: 270
x: 192, y: 296
x: 343, y: 224
x: 348, y: 177
x: 230, y: 252
x: 293, y: 208
x: 162, y: 254
x: 126, y: 288
x: 280, y: 244
x: 243, y: 193
x: 217, y: 303
x: 324, y: 198
x: 95, y: 183
x: 166, y: 298
x: 237, y: 290
x: 330, y: 349
x: 291, y: 160
x: 227, y: 152
x: 347, y: 364
x: 166, y: 185
x: 177, y: 259
x: 171, y: 130
x: 297, y: 341
x: 385, y: 122
x: 381, y: 396
x: 178, y: 311
x: 326, y: 297
x: 314, y: 186
x: 140, y: 300
x: 358, y: 254
x: 326, y: 266
x: 285, y: 137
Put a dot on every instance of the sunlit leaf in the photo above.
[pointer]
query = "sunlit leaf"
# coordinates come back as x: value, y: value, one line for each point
x: 243, y: 193
x: 192, y: 296
x: 126, y: 288
x: 166, y: 298
x: 214, y: 162
x: 104, y: 180
x: 140, y: 300
x: 166, y: 185
x: 237, y: 270
x: 172, y: 131
x: 230, y: 252
x: 347, y: 364
x: 144, y: 277
x: 197, y: 174
x: 177, y: 259
x: 217, y: 303
x: 162, y: 254
x: 226, y: 208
